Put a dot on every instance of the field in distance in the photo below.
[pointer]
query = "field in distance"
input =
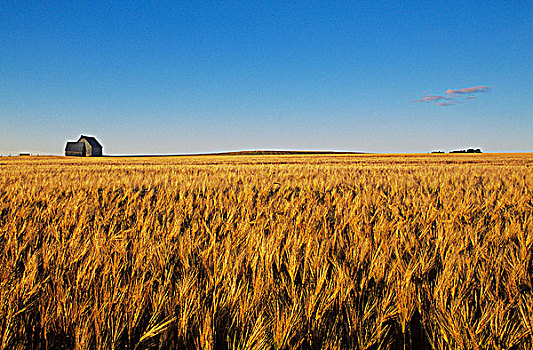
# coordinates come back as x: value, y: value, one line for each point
x: 304, y: 251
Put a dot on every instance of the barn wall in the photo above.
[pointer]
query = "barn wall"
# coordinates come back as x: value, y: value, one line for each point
x: 75, y: 149
x: 74, y: 154
x: 96, y: 151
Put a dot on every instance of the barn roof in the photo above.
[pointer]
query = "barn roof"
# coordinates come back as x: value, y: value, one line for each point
x: 92, y: 141
x: 75, y: 147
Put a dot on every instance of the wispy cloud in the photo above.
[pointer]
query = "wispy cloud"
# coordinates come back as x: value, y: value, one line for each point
x: 447, y: 103
x: 470, y: 90
x: 430, y: 98
x: 454, y: 96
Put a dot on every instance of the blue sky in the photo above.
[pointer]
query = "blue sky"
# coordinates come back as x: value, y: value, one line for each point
x: 190, y: 76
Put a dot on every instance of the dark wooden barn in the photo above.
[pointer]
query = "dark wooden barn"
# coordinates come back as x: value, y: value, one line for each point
x: 86, y: 146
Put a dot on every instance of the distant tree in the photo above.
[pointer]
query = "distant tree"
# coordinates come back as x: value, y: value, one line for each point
x: 470, y: 150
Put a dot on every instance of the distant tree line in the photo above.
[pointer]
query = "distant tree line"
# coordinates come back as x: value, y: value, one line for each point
x: 470, y: 150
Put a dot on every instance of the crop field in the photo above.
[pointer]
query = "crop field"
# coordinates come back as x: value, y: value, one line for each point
x: 267, y: 252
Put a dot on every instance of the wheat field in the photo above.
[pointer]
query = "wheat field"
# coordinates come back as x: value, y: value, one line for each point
x: 267, y: 252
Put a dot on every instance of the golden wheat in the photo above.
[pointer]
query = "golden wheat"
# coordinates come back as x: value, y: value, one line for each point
x: 267, y: 252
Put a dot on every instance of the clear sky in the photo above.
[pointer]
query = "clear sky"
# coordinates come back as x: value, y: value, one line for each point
x: 197, y: 76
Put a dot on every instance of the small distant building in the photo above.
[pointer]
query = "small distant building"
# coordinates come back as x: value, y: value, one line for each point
x: 86, y: 146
